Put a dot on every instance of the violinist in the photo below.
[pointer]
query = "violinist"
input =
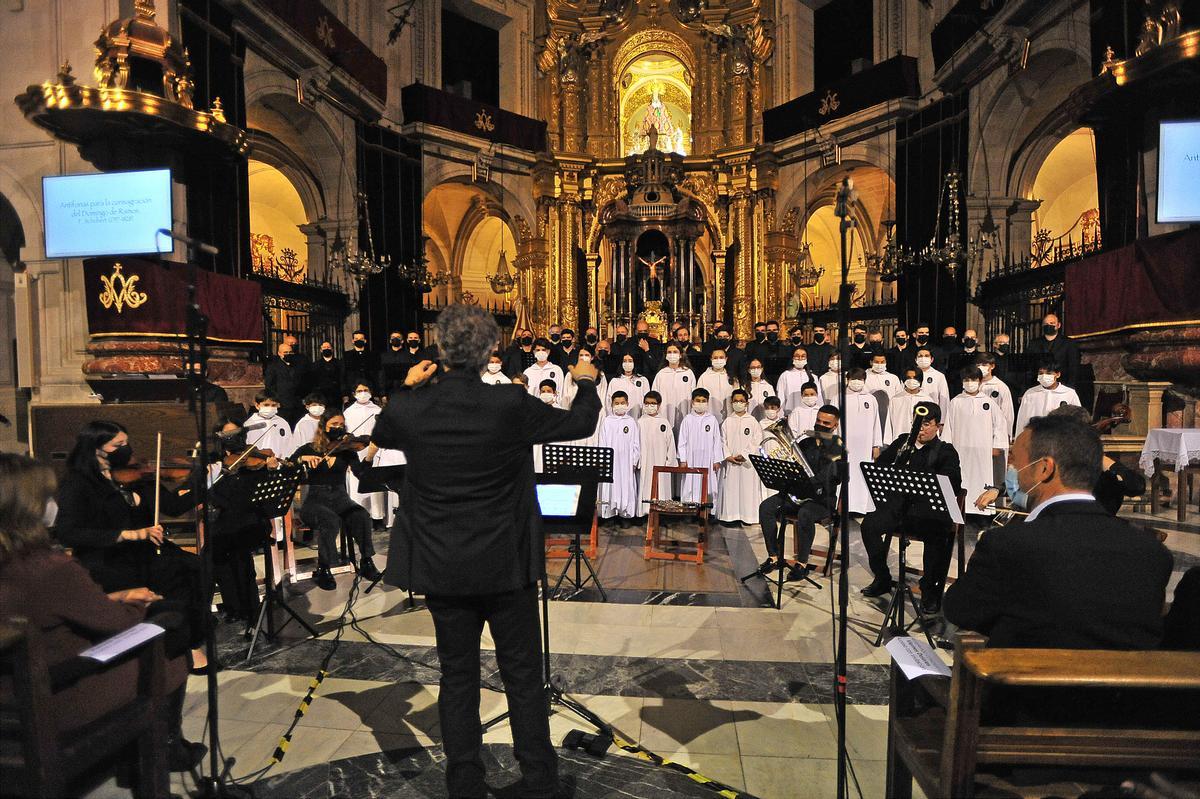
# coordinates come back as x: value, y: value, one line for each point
x: 927, y: 453
x: 328, y: 507
x: 109, y: 526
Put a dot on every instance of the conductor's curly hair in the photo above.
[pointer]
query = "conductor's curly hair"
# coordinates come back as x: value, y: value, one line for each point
x: 466, y: 335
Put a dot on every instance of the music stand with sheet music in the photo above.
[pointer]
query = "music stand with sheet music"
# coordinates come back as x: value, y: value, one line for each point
x: 786, y: 477
x: 926, y: 496
x: 567, y: 464
x: 272, y: 497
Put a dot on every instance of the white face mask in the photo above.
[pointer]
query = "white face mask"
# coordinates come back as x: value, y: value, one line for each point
x: 700, y: 407
x: 879, y: 368
x: 835, y: 366
x: 650, y: 410
x: 627, y: 367
x: 810, y: 401
x: 268, y: 411
x: 620, y: 410
x: 363, y: 396
x: 1047, y: 380
x: 549, y: 399
x: 493, y: 368
x: 739, y: 407
x: 855, y: 385
x: 541, y: 356
x: 911, y: 384
x: 718, y: 363
x: 585, y: 359
x: 315, y: 411
x: 924, y: 363
x: 756, y: 373
x: 51, y: 513
x: 799, y: 363
x: 971, y: 386
x: 672, y: 358
x: 771, y: 413
x: 987, y: 371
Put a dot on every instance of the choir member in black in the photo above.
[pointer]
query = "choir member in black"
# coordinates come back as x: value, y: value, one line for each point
x: 929, y: 454
x: 819, y: 351
x: 358, y: 365
x: 519, y: 355
x: 326, y: 375
x: 393, y: 363
x: 327, y: 507
x: 110, y: 528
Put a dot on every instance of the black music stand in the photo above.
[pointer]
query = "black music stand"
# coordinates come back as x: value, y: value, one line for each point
x: 565, y: 464
x: 272, y: 497
x: 926, y: 496
x: 786, y: 477
x: 375, y: 480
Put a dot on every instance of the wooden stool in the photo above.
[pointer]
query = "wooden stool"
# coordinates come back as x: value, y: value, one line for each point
x: 661, y: 507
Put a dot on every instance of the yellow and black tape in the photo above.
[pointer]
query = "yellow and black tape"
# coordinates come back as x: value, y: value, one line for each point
x: 305, y: 703
x: 645, y: 754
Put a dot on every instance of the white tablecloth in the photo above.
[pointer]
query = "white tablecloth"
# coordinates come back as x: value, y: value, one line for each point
x: 1174, y: 445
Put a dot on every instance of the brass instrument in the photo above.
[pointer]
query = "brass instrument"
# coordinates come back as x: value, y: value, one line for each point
x: 779, y: 443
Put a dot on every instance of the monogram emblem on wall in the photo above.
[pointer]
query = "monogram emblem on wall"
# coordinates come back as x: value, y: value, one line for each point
x: 120, y: 290
x: 483, y: 121
x: 829, y: 103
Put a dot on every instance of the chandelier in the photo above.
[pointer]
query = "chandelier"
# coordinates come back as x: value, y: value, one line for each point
x: 805, y: 273
x: 947, y: 249
x: 363, y: 263
x: 502, y: 280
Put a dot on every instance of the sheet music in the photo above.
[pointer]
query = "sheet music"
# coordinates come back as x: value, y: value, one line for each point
x: 950, y: 498
x: 916, y: 658
x: 121, y: 643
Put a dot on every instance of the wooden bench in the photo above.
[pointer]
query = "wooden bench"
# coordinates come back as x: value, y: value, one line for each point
x: 936, y: 736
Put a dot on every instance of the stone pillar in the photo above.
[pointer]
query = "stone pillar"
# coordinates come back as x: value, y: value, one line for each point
x: 1018, y: 233
x: 1146, y: 401
x: 314, y: 236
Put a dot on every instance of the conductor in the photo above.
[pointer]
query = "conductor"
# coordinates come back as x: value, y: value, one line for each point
x: 468, y: 536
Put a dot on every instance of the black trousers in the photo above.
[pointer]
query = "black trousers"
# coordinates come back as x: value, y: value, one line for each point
x: 512, y: 618
x: 169, y: 571
x: 325, y: 510
x: 233, y: 567
x: 938, y: 539
x: 771, y: 511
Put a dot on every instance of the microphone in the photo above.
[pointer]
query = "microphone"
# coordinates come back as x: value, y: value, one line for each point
x: 255, y: 426
x: 202, y: 246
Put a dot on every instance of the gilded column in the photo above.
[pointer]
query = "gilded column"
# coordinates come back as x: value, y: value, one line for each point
x: 743, y: 286
x: 568, y: 297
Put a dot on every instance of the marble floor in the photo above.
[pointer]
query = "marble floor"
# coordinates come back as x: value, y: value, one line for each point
x: 742, y: 695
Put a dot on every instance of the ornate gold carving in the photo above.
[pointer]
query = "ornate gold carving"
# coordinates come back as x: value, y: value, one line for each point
x: 483, y: 121
x: 829, y: 103
x: 121, y: 290
x: 654, y: 40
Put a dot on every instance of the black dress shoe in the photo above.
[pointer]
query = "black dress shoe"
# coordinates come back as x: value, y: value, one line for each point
x: 368, y: 571
x: 931, y: 604
x: 768, y: 566
x: 798, y: 572
x: 878, y: 587
x: 184, y: 755
x: 324, y: 580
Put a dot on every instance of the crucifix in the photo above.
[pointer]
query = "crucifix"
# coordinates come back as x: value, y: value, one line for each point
x: 652, y: 285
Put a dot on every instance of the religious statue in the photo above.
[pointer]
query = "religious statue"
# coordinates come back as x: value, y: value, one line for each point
x: 652, y: 285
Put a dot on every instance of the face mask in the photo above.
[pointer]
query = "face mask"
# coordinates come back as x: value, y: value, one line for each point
x: 772, y: 335
x: 722, y: 341
x: 1049, y: 330
x: 585, y: 359
x: 493, y: 368
x: 760, y: 336
x: 651, y: 410
x: 335, y: 433
x: 50, y: 514
x: 969, y: 343
x: 756, y: 373
x: 620, y: 410
x: 555, y: 337
x: 718, y: 363
x: 590, y: 338
x: 621, y: 338
x: 1012, y: 486
x: 924, y: 363
x: 948, y: 338
x: 810, y: 401
x: 859, y: 338
x: 286, y: 359
x: 627, y: 367
x: 835, y: 366
x: 771, y: 413
x: 971, y: 386
x: 797, y: 340
x: 327, y: 354
x: 921, y: 338
x: 395, y: 342
x: 818, y: 338
x: 799, y: 363
x: 568, y: 342
x: 268, y: 412
x: 413, y: 344
x: 1002, y: 348
x: 541, y: 356
x: 855, y: 385
x: 1047, y: 380
x: 879, y: 368
x: 901, y: 341
x: 738, y: 407
x: 120, y: 456
x: 360, y: 345
x: 987, y: 371
x: 642, y: 335
x: 363, y: 396
x: 526, y: 341
x: 672, y: 358
x: 700, y: 407
x: 548, y: 398
x: 911, y: 384
x: 315, y: 411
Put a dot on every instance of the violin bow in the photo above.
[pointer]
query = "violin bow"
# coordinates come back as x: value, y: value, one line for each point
x: 158, y: 486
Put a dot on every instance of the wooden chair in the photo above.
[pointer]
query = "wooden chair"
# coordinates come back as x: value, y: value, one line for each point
x: 937, y: 736
x: 666, y: 507
x: 36, y: 761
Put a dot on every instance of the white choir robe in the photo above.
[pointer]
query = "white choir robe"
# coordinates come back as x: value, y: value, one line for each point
x: 1039, y: 401
x: 547, y: 371
x: 863, y: 432
x: 360, y: 421
x: 676, y: 387
x: 589, y: 441
x: 306, y: 428
x: 975, y: 426
x: 719, y: 389
x: 759, y: 390
x: 275, y: 434
x: 498, y: 379
x: 886, y: 382
x: 802, y: 418
x: 829, y: 387
x: 620, y: 497
x: 900, y: 413
x: 998, y: 390
x: 570, y: 388
x: 790, y: 384
x: 658, y: 449
x: 700, y: 446
x: 635, y: 388
x: 741, y: 491
x: 934, y: 384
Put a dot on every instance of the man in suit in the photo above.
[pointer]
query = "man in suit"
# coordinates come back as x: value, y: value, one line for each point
x: 284, y: 378
x: 468, y: 535
x: 1052, y: 342
x: 1046, y: 580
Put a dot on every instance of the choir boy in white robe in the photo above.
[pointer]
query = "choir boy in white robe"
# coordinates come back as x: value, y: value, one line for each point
x: 547, y: 393
x: 900, y: 409
x: 570, y: 388
x: 700, y: 447
x: 719, y: 384
x: 791, y: 383
x: 933, y: 380
x: 675, y: 383
x: 265, y: 428
x: 996, y: 388
x: 620, y: 431
x: 360, y: 421
x: 804, y: 416
x: 493, y: 373
x: 1047, y: 395
x: 828, y: 384
x: 741, y: 490
x: 880, y: 379
x: 634, y: 385
x: 864, y: 436
x: 757, y: 387
x: 542, y: 369
x: 657, y: 441
x: 306, y: 426
x: 976, y: 428
x: 772, y: 412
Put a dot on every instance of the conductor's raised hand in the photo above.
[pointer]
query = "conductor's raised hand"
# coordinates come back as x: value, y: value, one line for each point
x: 582, y: 370
x: 420, y: 373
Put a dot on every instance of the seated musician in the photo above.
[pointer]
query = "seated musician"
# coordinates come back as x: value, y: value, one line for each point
x: 328, y: 507
x: 928, y: 454
x: 1047, y: 580
x: 808, y: 511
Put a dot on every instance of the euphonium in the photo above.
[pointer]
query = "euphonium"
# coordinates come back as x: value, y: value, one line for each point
x: 779, y: 441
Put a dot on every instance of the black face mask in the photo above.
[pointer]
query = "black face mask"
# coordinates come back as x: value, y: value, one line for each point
x: 949, y: 338
x: 760, y: 336
x: 590, y: 338
x: 233, y: 442
x: 360, y: 345
x: 921, y: 338
x: 901, y: 341
x: 554, y: 337
x: 527, y: 341
x: 772, y: 335
x: 396, y: 342
x: 723, y: 342
x: 568, y: 342
x: 642, y: 334
x: 1002, y: 349
x: 327, y: 354
x: 818, y: 338
x: 286, y: 358
x: 121, y: 456
x: 969, y: 342
x: 1049, y: 330
x: 335, y: 433
x: 796, y: 340
x: 859, y: 338
x: 621, y: 338
x: 414, y: 345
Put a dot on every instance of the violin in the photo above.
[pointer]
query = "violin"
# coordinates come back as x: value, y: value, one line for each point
x: 173, y: 470
x: 350, y: 444
x: 1121, y: 414
x: 252, y: 459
